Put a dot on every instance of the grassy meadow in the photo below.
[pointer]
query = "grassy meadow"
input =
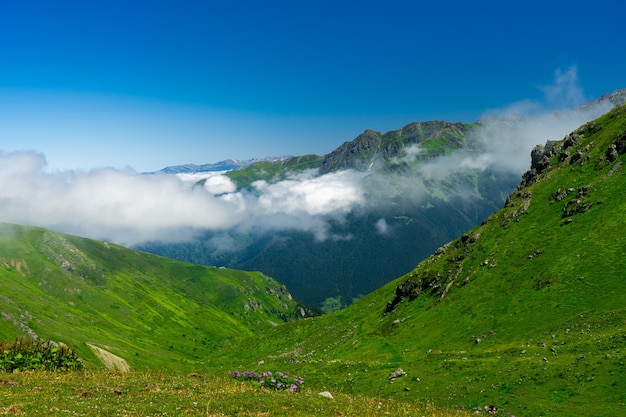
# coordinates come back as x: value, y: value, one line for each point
x: 152, y: 393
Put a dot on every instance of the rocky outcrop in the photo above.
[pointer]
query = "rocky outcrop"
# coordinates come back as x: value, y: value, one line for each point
x: 580, y: 204
x: 357, y: 154
x: 618, y: 147
x: 615, y: 98
x: 422, y: 280
x: 361, y: 152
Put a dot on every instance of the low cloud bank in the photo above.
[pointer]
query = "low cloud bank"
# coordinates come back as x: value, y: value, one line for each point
x: 126, y: 207
x: 129, y: 208
x: 110, y: 204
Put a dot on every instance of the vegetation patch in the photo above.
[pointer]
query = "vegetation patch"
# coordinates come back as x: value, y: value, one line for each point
x: 277, y: 381
x: 26, y: 354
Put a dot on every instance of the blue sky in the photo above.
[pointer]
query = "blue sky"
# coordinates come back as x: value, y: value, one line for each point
x: 151, y: 84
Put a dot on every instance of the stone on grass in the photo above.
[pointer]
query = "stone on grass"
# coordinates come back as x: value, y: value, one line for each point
x: 327, y: 394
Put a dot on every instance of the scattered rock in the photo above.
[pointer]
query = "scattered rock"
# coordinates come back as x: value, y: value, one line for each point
x: 577, y: 206
x: 560, y: 194
x: 396, y: 374
x: 67, y: 266
x: 611, y: 153
x: 326, y: 394
x: 576, y: 157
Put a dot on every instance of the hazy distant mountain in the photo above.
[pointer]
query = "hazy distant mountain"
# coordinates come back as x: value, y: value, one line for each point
x: 226, y: 165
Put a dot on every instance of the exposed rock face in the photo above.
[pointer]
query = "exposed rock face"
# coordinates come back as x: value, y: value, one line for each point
x: 357, y: 154
x: 616, y: 98
x: 540, y: 160
x: 422, y: 281
x: 617, y: 148
x: 360, y: 153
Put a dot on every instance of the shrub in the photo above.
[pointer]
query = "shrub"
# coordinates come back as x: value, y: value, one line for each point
x: 26, y: 354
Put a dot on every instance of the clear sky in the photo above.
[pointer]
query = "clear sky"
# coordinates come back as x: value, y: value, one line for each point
x: 147, y: 84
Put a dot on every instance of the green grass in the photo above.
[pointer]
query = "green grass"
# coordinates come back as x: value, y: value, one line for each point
x: 97, y: 393
x: 150, y: 311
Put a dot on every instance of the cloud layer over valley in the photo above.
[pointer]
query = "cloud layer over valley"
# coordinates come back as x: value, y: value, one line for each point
x: 126, y: 207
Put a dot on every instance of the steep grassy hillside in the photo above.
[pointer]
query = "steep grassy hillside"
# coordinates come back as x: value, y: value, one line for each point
x: 149, y: 311
x: 526, y: 312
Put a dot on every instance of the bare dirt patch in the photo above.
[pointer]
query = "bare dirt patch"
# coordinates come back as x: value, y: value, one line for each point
x: 111, y: 361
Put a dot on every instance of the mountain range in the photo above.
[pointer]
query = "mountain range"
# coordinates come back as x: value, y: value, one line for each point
x: 418, y: 214
x: 425, y: 184
x: 225, y: 165
x: 524, y: 312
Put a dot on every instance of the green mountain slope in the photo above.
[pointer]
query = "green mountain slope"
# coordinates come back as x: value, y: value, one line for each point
x: 526, y: 312
x: 148, y: 310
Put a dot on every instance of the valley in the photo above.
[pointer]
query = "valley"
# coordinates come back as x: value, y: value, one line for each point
x: 524, y: 312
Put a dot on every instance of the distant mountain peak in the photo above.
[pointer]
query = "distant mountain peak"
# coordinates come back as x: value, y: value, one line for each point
x: 616, y: 98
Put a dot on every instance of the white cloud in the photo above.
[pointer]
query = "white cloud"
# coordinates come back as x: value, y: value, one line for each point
x: 118, y: 205
x: 303, y: 202
x: 506, y: 136
x: 214, y: 182
x: 335, y: 192
x: 565, y: 92
x: 382, y: 227
x: 411, y: 153
x: 129, y: 208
